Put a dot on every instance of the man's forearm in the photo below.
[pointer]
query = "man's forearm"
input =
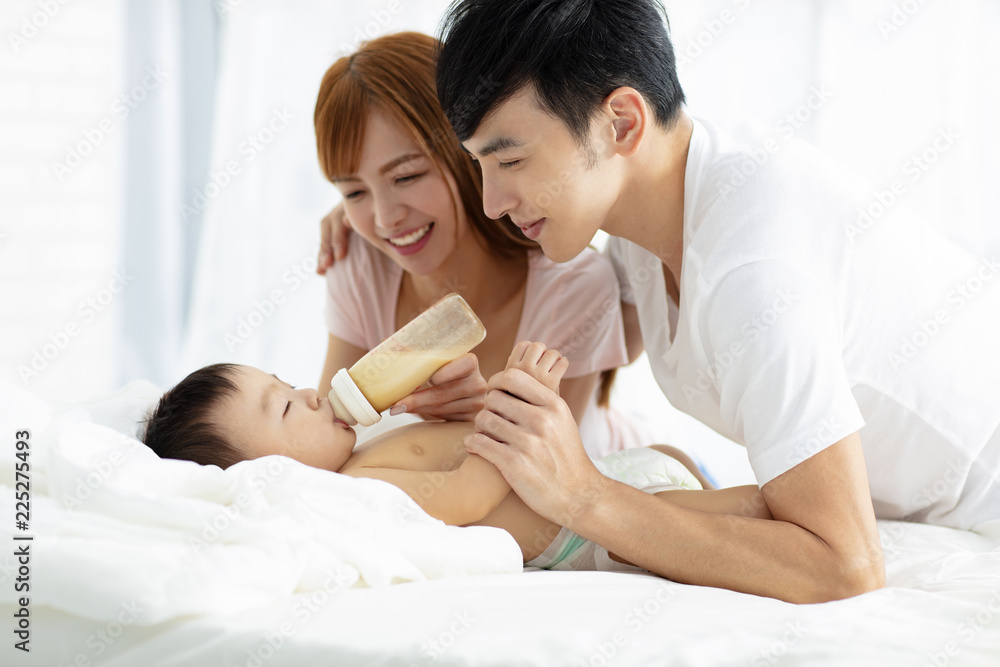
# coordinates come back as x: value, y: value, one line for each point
x: 739, y: 500
x: 763, y: 557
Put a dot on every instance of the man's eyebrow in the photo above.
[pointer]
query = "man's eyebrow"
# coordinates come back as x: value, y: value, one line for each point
x: 387, y: 167
x: 500, y: 143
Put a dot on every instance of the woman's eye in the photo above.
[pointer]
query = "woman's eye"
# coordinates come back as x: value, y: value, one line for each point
x: 508, y: 165
x: 407, y: 179
x: 287, y: 406
x: 354, y: 195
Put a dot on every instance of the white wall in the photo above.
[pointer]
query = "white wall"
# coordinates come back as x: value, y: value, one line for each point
x: 897, y: 72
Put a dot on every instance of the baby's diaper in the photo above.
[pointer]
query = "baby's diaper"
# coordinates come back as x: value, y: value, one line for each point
x: 647, y: 469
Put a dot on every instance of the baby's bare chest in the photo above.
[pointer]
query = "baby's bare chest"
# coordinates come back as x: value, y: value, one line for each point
x: 424, y: 446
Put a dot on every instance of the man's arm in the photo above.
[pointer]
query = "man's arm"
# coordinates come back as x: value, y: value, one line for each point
x: 822, y: 545
x: 457, y: 497
x: 334, y: 230
x: 744, y: 500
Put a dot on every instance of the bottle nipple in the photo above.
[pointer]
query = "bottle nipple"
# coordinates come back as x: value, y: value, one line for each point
x: 348, y: 403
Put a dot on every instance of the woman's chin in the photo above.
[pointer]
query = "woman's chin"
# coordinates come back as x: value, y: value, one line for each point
x: 417, y: 265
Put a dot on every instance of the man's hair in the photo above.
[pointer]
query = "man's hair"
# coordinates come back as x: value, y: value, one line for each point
x: 574, y: 52
x: 181, y: 425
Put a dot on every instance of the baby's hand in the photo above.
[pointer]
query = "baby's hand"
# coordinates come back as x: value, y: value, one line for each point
x: 545, y: 365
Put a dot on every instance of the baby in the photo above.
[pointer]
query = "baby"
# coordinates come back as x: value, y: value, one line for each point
x: 225, y: 413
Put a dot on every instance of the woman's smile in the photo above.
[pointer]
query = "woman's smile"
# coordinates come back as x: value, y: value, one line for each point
x: 411, y: 242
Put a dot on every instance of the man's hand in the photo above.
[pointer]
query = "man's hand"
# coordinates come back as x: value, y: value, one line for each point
x: 457, y: 392
x: 334, y: 230
x: 529, y: 434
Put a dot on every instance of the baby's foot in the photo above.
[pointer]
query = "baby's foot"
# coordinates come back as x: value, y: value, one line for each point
x: 545, y: 365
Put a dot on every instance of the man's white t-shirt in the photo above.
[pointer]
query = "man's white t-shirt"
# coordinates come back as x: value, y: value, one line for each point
x: 810, y: 309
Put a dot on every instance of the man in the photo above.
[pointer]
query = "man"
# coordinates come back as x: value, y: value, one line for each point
x: 853, y: 354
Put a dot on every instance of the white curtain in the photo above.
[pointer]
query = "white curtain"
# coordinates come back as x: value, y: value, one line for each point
x: 254, y: 297
x: 166, y: 154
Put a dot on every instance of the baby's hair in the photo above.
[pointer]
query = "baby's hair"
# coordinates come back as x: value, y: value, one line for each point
x: 181, y: 425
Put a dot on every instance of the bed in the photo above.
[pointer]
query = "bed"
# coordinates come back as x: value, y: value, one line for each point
x: 286, y: 580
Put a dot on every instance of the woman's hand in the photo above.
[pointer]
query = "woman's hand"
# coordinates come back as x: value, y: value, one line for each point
x: 457, y: 392
x: 334, y: 230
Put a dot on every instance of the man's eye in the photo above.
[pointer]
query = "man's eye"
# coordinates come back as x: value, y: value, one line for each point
x: 508, y: 165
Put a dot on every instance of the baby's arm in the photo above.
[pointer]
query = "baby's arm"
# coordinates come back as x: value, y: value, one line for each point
x: 458, y: 497
x: 473, y: 490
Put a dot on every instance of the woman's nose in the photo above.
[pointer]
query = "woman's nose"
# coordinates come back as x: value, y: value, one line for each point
x: 389, y: 212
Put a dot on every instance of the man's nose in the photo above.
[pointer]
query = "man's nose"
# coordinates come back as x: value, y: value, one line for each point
x: 498, y: 199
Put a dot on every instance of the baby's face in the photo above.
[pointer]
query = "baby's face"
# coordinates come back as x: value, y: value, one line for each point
x: 267, y: 416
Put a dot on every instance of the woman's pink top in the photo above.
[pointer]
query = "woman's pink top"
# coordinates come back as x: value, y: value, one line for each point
x: 573, y: 307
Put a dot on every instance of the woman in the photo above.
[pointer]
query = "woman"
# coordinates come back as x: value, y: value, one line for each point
x: 415, y: 198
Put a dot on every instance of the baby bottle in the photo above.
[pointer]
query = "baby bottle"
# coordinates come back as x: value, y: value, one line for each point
x: 405, y: 360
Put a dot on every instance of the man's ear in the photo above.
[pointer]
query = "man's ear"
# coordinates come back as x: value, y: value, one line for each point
x: 629, y: 116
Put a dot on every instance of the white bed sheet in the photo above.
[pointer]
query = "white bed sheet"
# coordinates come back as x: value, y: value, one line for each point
x: 941, y: 607
x: 936, y: 610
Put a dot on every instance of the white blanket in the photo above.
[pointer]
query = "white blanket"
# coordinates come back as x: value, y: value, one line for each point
x: 114, y: 524
x: 132, y: 576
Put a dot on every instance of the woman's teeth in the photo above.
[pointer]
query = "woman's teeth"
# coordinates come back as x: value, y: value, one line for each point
x: 412, y: 237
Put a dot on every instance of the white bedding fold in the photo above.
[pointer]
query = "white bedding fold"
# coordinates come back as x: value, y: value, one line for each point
x: 116, y: 526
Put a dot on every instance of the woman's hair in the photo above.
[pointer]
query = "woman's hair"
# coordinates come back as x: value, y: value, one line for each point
x: 181, y: 425
x: 604, y: 388
x: 395, y: 74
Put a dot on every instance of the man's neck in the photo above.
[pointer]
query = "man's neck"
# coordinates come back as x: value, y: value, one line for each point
x: 650, y: 210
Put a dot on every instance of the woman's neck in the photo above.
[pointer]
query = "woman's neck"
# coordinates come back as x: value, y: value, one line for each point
x: 484, y: 280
